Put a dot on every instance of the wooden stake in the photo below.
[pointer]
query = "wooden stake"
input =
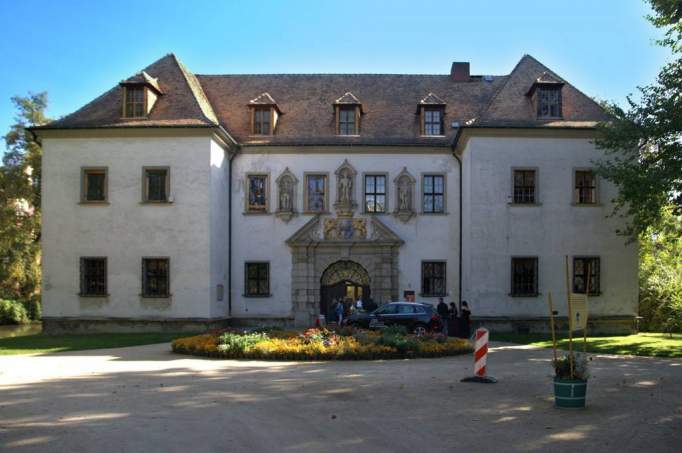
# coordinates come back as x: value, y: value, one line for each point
x: 587, y: 293
x: 551, y: 323
x: 570, y: 321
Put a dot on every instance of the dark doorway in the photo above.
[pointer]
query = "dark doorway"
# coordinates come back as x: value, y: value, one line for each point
x: 344, y: 281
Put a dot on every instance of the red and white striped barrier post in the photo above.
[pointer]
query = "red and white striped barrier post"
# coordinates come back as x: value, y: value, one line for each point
x: 480, y: 358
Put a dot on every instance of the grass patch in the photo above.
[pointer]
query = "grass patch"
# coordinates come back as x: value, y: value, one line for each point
x: 642, y: 344
x: 40, y: 344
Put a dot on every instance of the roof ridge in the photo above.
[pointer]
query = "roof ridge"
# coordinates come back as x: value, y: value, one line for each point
x: 197, y: 92
x: 336, y: 74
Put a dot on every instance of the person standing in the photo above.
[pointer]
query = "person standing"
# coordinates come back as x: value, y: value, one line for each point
x: 453, y: 328
x: 444, y: 313
x: 464, y: 318
x: 339, y: 313
x: 359, y: 305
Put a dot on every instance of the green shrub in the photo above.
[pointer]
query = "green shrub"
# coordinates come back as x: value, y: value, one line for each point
x: 12, y: 312
x: 33, y: 308
x: 393, y: 330
x: 238, y: 343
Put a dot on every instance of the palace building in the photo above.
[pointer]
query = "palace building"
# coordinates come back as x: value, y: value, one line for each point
x: 177, y: 199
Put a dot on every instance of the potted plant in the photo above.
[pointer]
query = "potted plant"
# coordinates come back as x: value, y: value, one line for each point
x: 570, y: 380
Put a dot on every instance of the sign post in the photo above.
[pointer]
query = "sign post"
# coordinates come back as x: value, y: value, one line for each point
x: 480, y: 359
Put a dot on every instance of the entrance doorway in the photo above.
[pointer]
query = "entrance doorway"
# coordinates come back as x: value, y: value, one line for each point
x: 345, y: 282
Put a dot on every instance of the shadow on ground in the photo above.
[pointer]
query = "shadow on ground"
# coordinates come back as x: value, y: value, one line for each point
x: 146, y: 399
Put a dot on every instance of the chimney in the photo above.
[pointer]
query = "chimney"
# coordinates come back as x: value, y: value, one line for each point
x: 460, y: 71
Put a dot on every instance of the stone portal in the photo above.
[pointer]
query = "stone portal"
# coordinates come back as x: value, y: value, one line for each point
x: 318, y: 245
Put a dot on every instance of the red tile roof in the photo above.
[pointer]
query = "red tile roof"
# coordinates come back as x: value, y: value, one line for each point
x: 306, y: 102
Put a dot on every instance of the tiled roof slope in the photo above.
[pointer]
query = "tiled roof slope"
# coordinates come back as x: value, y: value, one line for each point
x: 306, y: 101
x: 389, y: 103
x: 510, y: 107
x: 182, y: 104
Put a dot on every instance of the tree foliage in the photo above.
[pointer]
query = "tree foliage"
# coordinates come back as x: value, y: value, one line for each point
x: 20, y: 201
x: 660, y: 276
x: 643, y: 142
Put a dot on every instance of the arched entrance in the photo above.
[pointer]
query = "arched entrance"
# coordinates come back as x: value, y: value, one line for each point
x: 342, y: 281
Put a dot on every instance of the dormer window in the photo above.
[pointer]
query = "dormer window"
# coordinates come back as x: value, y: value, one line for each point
x: 261, y: 120
x: 348, y: 111
x: 264, y: 115
x: 545, y: 93
x: 433, y: 121
x: 431, y: 112
x: 134, y: 101
x: 139, y: 94
x: 549, y: 101
x: 347, y: 121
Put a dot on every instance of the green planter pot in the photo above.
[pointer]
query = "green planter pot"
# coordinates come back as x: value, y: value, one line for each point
x: 570, y: 393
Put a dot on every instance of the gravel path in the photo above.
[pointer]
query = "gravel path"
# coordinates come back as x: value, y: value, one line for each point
x: 145, y: 399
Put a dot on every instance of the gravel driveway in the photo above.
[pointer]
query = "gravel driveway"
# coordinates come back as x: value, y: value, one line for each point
x: 145, y: 399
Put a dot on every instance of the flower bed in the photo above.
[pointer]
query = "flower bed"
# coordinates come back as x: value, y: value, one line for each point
x: 320, y: 344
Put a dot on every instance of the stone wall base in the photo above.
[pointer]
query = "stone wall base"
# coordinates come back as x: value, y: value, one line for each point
x: 284, y: 322
x: 606, y: 325
x: 125, y: 325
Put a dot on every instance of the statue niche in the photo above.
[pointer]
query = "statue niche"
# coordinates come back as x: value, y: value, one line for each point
x: 286, y: 195
x: 345, y: 190
x: 404, y: 184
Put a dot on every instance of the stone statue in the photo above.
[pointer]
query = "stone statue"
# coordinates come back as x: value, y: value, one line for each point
x: 404, y: 193
x: 345, y: 187
x: 285, y: 196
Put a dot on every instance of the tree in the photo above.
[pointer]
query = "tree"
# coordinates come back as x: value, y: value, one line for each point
x: 660, y: 276
x: 20, y: 201
x: 643, y: 142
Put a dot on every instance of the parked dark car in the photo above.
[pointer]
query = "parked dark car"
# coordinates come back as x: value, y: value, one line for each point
x: 417, y: 318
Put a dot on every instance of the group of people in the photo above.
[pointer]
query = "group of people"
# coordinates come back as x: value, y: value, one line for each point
x: 343, y: 308
x: 455, y: 324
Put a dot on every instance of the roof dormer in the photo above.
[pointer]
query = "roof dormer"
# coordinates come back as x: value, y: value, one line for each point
x: 348, y: 110
x: 545, y: 94
x: 431, y: 111
x: 264, y: 114
x: 139, y: 94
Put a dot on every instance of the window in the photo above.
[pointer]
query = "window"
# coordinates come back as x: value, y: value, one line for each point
x: 348, y: 121
x: 433, y: 121
x: 94, y: 185
x: 375, y: 193
x: 524, y: 277
x: 581, y: 267
x: 257, y: 279
x: 389, y: 309
x: 155, y: 277
x: 93, y: 276
x: 134, y: 101
x: 257, y: 193
x: 316, y: 189
x: 433, y: 278
x: 585, y: 187
x: 156, y: 185
x: 262, y: 120
x: 434, y: 194
x: 549, y: 101
x: 524, y: 186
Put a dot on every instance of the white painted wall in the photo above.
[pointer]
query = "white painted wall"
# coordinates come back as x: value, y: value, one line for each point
x: 125, y: 230
x: 494, y: 231
x: 262, y: 237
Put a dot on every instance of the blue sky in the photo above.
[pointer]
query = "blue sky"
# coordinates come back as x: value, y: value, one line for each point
x: 76, y: 50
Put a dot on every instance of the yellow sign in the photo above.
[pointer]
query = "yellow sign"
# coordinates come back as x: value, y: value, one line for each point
x: 579, y: 311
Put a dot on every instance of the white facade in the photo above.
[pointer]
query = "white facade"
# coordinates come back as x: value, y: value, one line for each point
x: 194, y: 230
